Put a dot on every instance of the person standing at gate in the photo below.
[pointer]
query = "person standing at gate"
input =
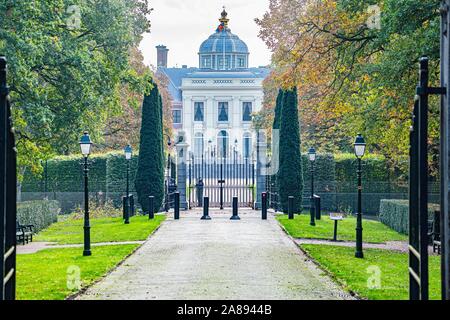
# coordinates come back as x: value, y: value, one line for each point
x: 199, y: 187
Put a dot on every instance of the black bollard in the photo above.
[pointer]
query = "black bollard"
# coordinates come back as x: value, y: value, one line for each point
x: 124, y: 207
x: 264, y: 205
x: 318, y: 209
x: 131, y: 205
x: 290, y: 208
x: 235, y: 215
x: 151, y: 207
x: 206, y: 209
x: 127, y: 210
x: 177, y: 206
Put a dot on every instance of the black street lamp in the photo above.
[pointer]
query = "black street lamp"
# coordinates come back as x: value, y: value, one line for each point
x: 360, y: 148
x: 169, y: 173
x: 128, y: 155
x: 85, y: 145
x: 312, y: 159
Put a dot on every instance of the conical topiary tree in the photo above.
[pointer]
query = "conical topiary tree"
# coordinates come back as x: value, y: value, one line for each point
x: 150, y: 173
x: 290, y: 176
x: 276, y: 120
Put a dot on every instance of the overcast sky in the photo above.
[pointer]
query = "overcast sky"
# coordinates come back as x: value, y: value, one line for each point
x: 182, y: 25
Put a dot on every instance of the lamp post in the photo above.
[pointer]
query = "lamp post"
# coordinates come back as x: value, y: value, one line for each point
x: 360, y: 148
x: 312, y: 159
x: 128, y: 154
x: 85, y: 145
x: 169, y: 169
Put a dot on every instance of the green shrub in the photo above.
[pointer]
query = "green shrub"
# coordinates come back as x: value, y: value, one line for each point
x: 395, y: 214
x: 41, y: 213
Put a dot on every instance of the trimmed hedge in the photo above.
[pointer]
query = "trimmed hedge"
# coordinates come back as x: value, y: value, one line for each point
x: 395, y: 214
x: 41, y: 213
x: 65, y: 174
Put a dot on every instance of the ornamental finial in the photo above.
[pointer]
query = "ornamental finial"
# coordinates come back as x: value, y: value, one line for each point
x: 224, y: 19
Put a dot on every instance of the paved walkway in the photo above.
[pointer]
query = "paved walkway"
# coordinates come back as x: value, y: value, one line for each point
x: 218, y: 259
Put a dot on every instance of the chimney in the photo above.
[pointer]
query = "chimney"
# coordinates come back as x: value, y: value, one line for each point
x: 162, y: 53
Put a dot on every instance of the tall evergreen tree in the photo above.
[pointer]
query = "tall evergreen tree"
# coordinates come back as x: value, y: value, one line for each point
x: 276, y: 120
x: 150, y: 174
x: 290, y: 176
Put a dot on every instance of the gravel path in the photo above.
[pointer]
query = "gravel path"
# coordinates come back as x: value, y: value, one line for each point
x: 218, y: 259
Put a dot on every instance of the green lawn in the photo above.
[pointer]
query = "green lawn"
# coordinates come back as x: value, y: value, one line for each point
x: 374, y: 231
x: 45, y: 275
x: 355, y: 274
x: 102, y: 230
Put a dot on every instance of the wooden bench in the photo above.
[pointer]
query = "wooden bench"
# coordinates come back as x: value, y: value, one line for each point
x: 24, y: 233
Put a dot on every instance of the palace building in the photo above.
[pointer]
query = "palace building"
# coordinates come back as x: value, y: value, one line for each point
x: 213, y: 104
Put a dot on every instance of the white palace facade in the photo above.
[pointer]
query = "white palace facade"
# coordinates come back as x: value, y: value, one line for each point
x: 213, y: 104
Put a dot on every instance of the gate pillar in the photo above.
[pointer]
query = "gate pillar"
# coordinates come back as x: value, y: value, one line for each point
x: 261, y: 154
x: 182, y: 157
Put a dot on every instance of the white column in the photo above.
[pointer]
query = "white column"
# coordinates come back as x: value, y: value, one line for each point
x: 188, y: 119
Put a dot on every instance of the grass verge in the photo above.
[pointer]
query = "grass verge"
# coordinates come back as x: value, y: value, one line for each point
x: 102, y: 230
x: 51, y: 274
x: 360, y: 275
x: 374, y: 231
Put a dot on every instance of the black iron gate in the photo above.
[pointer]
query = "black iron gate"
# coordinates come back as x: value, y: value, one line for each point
x: 7, y: 193
x: 221, y: 179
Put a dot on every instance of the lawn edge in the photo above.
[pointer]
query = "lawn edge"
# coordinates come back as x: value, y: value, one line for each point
x: 83, y: 290
x: 332, y: 276
x: 323, y: 239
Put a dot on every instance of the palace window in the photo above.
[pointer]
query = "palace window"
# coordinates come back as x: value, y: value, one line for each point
x: 199, y: 145
x: 247, y: 111
x: 241, y: 62
x: 223, y: 112
x: 247, y: 151
x: 227, y: 62
x: 199, y: 111
x: 176, y: 114
x: 222, y: 144
x: 206, y: 62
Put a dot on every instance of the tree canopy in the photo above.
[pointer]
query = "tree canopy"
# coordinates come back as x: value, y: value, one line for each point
x: 355, y: 64
x: 69, y: 62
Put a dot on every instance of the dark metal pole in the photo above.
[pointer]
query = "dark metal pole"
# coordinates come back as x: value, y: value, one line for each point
x: 87, y: 227
x: 128, y: 178
x: 264, y: 205
x: 311, y: 210
x: 290, y: 207
x: 359, y: 246
x: 151, y: 206
x: 177, y: 206
x: 423, y: 179
x: 335, y: 230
